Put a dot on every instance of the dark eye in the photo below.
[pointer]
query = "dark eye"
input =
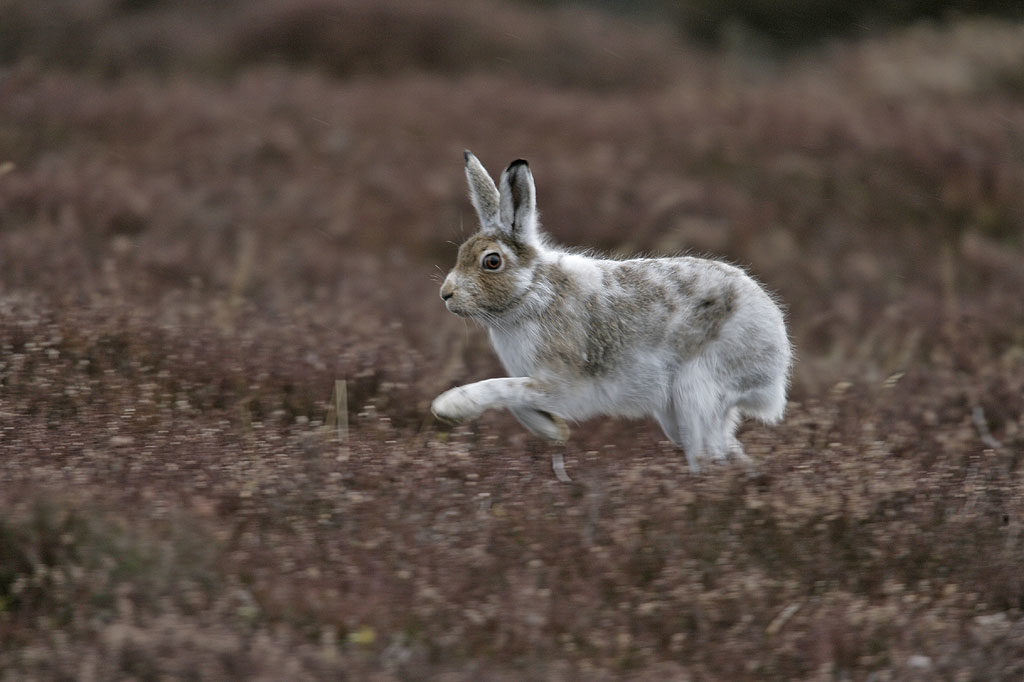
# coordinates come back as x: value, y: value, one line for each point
x: 491, y: 261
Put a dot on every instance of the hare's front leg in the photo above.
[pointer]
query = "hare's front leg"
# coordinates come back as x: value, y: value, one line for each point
x: 466, y: 402
x: 542, y: 423
x: 519, y: 394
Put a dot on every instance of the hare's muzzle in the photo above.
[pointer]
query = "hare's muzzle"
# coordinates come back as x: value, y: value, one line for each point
x: 447, y: 289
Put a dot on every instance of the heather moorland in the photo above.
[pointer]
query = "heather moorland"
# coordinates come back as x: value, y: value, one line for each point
x: 212, y: 213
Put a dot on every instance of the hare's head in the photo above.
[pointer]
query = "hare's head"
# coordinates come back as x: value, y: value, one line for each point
x: 494, y: 270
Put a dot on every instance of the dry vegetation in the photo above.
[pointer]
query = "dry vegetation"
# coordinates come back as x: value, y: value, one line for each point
x: 196, y: 240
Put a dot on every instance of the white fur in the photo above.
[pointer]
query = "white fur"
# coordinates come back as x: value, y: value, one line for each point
x: 695, y: 343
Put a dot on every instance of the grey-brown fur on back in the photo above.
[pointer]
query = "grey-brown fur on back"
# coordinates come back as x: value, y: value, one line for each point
x: 633, y: 308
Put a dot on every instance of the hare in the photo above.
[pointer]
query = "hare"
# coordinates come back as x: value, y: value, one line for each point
x: 695, y: 343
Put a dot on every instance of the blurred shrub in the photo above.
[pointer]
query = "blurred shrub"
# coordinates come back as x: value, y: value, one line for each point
x: 798, y: 23
x: 552, y: 41
x: 57, y: 559
x: 802, y: 22
x: 34, y: 29
x: 568, y: 47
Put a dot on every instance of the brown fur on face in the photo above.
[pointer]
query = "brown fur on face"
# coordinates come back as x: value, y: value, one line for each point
x: 478, y: 291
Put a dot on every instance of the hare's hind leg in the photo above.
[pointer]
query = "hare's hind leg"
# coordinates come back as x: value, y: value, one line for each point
x: 681, y: 433
x: 722, y: 440
x: 700, y: 421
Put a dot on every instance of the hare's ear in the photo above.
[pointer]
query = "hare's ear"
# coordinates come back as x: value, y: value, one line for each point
x: 518, y: 202
x: 482, y: 192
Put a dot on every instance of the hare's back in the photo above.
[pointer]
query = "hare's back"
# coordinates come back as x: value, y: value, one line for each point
x: 714, y: 308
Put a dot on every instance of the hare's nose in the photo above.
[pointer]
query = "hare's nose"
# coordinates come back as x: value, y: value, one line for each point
x: 447, y: 288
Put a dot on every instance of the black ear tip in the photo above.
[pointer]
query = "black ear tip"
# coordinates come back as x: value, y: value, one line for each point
x: 467, y: 155
x: 516, y: 164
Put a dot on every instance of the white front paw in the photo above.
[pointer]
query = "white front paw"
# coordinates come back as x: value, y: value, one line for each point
x: 455, y: 404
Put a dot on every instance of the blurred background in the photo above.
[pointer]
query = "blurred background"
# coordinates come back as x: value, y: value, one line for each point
x: 211, y: 212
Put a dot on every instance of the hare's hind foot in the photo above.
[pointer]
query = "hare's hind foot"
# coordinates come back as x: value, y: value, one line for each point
x: 544, y: 424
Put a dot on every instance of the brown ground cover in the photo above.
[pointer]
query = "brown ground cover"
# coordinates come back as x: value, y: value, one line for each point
x: 198, y: 237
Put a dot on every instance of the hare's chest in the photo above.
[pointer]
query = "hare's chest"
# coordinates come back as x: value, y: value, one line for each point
x: 516, y: 348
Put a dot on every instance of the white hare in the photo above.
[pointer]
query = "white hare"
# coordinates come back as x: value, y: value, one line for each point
x: 695, y: 343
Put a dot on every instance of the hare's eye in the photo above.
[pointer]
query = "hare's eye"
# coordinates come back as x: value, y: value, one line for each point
x: 491, y: 261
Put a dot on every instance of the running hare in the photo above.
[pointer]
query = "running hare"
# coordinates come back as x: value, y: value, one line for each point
x: 695, y: 343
